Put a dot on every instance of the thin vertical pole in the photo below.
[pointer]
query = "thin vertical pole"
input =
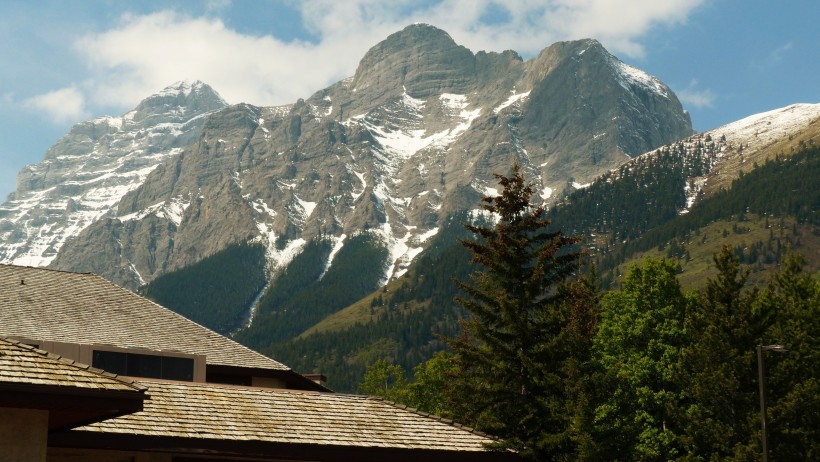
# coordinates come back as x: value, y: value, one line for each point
x: 762, y: 385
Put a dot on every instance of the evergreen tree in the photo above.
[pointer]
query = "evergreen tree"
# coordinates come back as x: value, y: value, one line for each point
x: 718, y: 368
x: 524, y: 348
x: 792, y: 299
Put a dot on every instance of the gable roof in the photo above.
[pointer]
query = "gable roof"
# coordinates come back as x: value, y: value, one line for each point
x: 43, y: 304
x: 239, y: 420
x: 73, y: 393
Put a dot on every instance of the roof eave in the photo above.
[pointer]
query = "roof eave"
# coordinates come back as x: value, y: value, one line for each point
x: 244, y: 448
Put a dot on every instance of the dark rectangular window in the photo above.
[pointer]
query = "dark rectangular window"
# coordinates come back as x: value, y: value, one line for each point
x: 149, y: 366
x: 111, y: 361
x: 143, y: 365
x: 178, y: 368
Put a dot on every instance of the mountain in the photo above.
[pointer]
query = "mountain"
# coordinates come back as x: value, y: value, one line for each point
x: 333, y: 196
x: 411, y: 138
x: 750, y: 185
x: 86, y: 173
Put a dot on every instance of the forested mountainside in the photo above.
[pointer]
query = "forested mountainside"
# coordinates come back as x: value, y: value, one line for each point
x: 403, y: 321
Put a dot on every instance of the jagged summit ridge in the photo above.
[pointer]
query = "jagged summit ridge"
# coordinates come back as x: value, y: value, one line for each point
x: 177, y: 102
x: 87, y: 172
x: 420, y: 60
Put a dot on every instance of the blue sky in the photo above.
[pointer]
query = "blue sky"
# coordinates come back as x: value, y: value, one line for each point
x: 65, y: 61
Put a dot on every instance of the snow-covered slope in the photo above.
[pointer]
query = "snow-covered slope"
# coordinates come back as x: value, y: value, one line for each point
x: 761, y: 130
x: 86, y: 174
x: 726, y: 151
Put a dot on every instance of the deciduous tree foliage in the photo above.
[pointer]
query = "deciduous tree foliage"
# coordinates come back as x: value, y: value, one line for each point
x: 525, y: 346
x: 430, y: 389
x: 638, y: 344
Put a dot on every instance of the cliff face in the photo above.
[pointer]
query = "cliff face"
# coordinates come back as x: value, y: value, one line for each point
x: 413, y: 137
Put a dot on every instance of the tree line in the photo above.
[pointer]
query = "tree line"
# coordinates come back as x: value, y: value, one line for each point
x: 560, y: 370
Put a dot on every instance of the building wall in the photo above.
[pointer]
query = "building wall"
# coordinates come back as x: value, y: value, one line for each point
x: 23, y: 435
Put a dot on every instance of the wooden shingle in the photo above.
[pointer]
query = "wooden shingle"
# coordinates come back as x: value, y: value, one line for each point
x: 24, y: 364
x: 227, y: 413
x: 87, y: 309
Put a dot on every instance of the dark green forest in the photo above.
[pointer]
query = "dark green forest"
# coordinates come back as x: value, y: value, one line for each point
x: 638, y: 196
x: 408, y: 325
x: 784, y: 186
x: 216, y: 291
x: 300, y: 295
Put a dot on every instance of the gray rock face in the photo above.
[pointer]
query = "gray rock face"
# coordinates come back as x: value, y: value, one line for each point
x: 413, y: 137
x: 87, y: 172
x: 421, y: 60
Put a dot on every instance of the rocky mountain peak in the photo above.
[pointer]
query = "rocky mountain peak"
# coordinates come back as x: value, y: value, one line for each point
x: 88, y: 171
x: 177, y: 102
x: 420, y: 59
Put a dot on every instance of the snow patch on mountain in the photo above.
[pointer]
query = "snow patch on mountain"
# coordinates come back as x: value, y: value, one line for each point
x: 630, y: 75
x: 546, y: 193
x: 172, y: 209
x: 260, y: 206
x: 691, y: 190
x: 307, y: 206
x: 338, y: 243
x: 277, y: 259
x: 355, y: 195
x: 515, y: 98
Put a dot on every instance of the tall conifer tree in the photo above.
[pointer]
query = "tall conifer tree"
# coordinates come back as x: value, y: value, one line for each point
x: 526, y: 343
x: 718, y: 367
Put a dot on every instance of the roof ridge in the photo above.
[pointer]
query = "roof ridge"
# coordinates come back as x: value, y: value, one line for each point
x: 45, y: 268
x: 96, y: 284
x: 229, y: 386
x: 78, y: 365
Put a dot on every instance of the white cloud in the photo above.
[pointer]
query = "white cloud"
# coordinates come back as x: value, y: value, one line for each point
x: 695, y: 97
x: 63, y: 105
x: 144, y: 53
x: 774, y: 57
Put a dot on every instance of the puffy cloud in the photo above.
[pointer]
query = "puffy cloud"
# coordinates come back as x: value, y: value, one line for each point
x: 143, y: 53
x: 695, y: 97
x: 63, y: 105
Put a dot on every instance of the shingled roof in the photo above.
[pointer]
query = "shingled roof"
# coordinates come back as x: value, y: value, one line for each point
x: 24, y: 364
x: 224, y: 418
x: 73, y: 393
x: 43, y: 304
